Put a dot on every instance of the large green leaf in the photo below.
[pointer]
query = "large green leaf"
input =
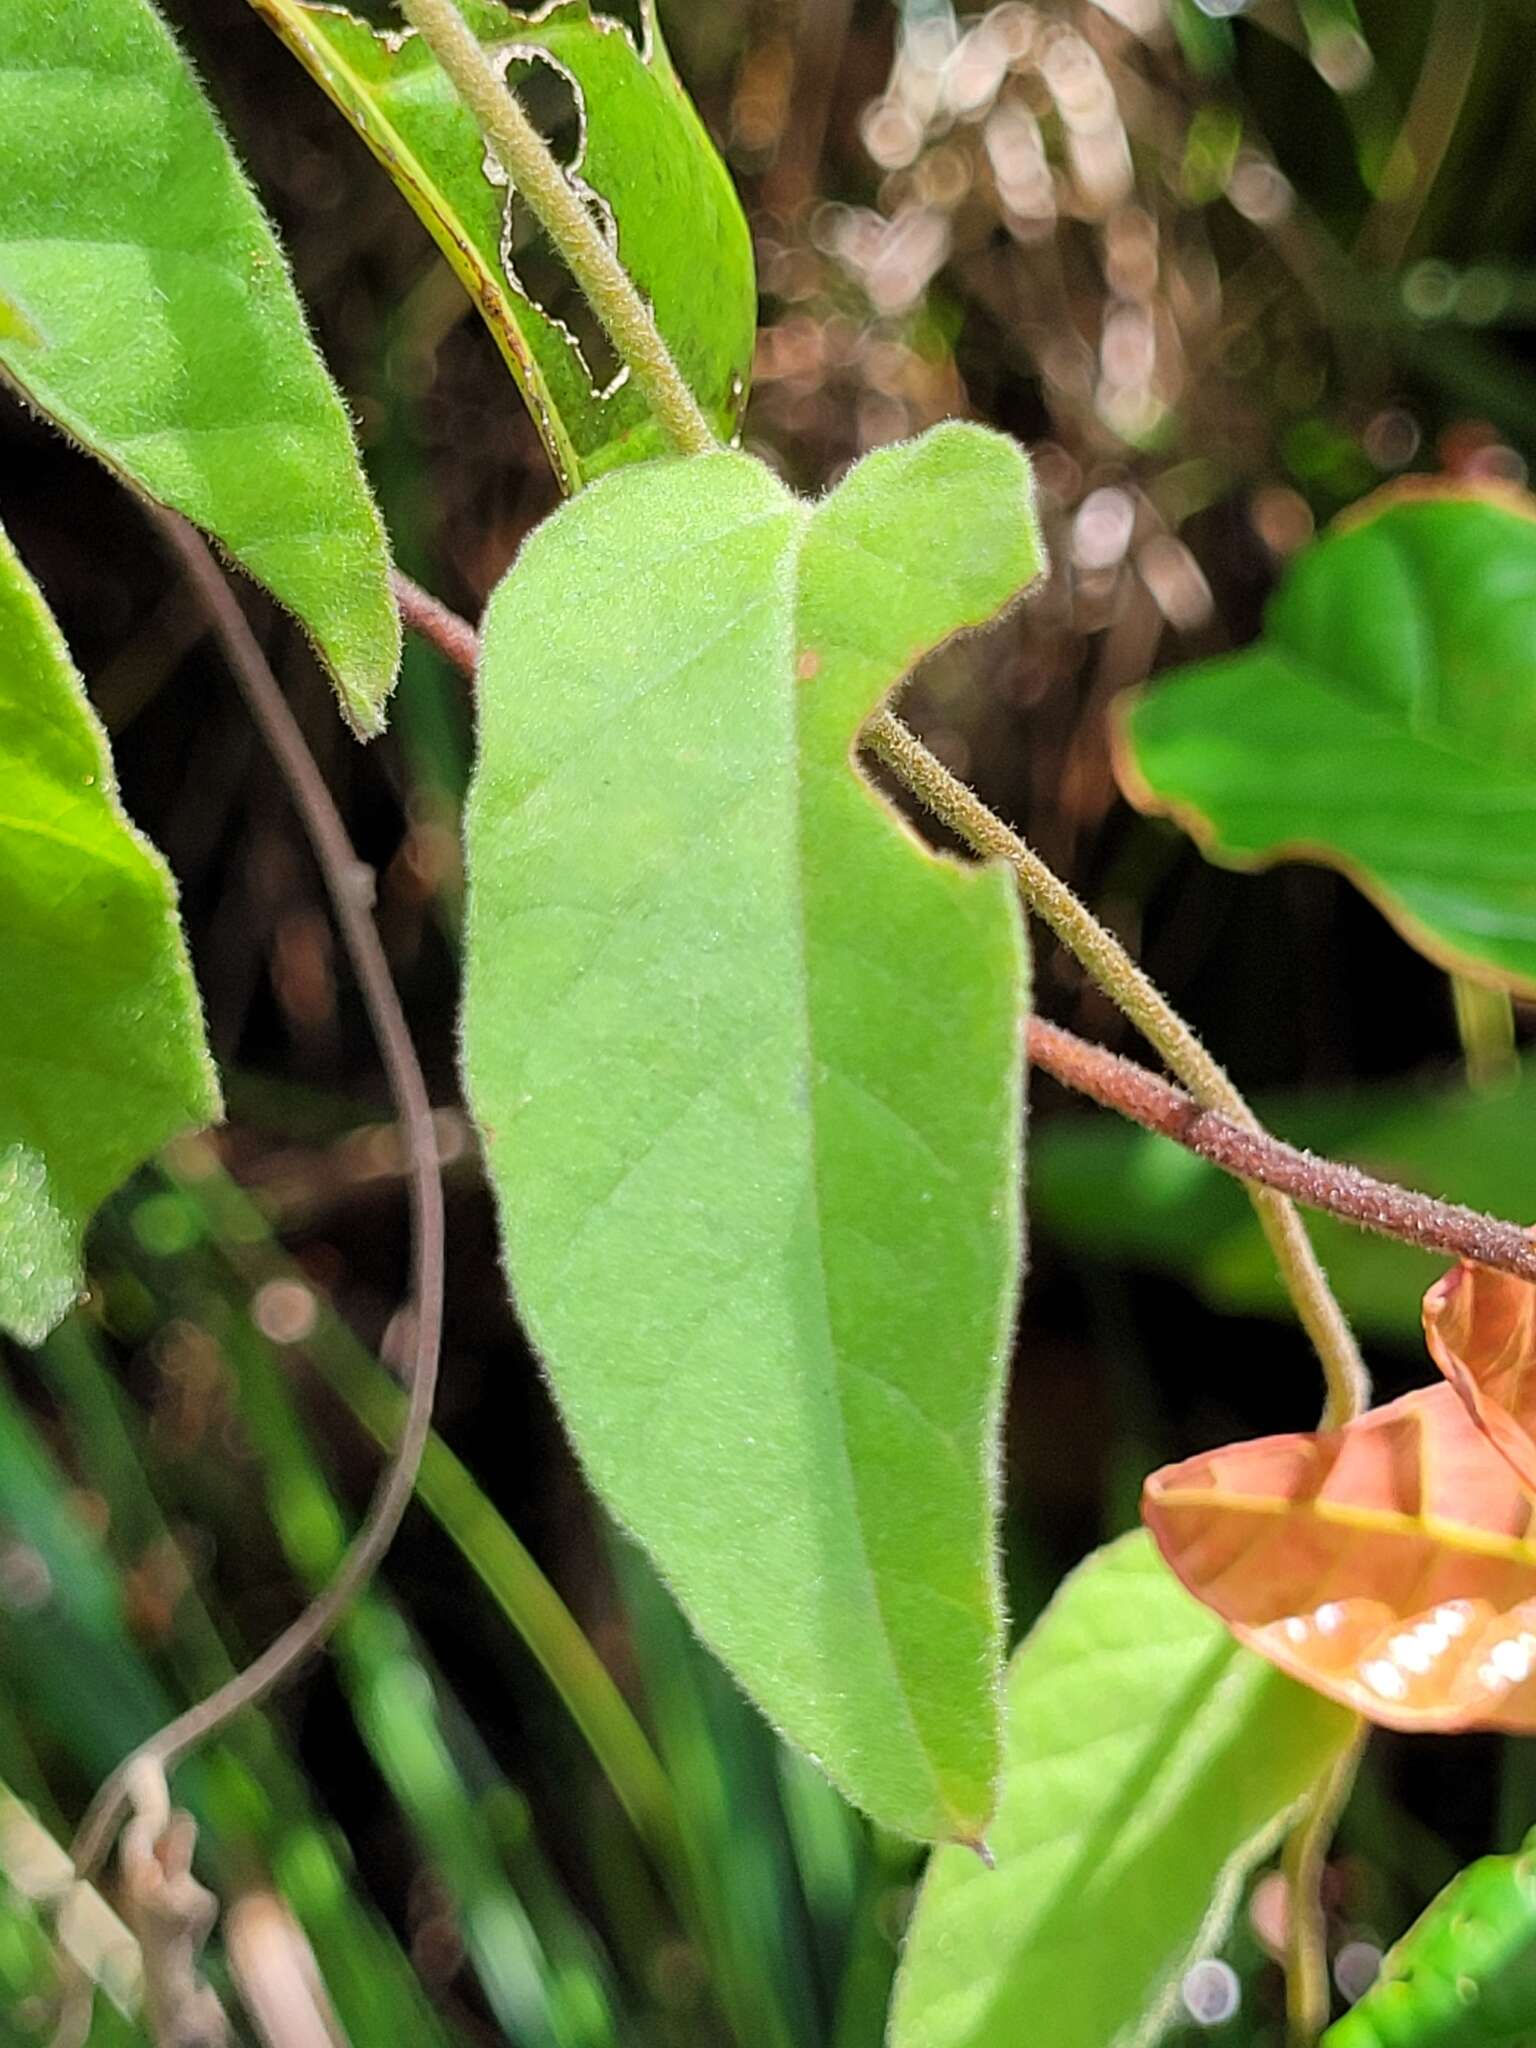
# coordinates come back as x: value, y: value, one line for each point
x: 1118, y: 1193
x: 1464, y: 1975
x: 160, y: 328
x: 101, y: 1037
x: 1150, y: 1762
x: 746, y: 1057
x: 637, y: 146
x: 1385, y: 724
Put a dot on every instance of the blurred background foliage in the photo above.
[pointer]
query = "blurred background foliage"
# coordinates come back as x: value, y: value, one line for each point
x: 1224, y: 269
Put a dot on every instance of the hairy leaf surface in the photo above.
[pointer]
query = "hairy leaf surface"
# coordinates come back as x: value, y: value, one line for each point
x: 101, y: 1036
x: 1150, y: 1762
x: 746, y: 1056
x: 160, y: 328
x: 1391, y: 1563
x: 633, y: 144
x: 1464, y: 1975
x: 1385, y: 724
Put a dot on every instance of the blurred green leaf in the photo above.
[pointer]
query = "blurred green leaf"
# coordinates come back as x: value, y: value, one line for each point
x: 699, y: 944
x: 632, y: 140
x: 1150, y: 1763
x: 102, y: 1056
x: 1205, y: 38
x: 1114, y: 1192
x: 172, y: 344
x: 1464, y: 1975
x: 1336, y: 39
x: 1385, y: 724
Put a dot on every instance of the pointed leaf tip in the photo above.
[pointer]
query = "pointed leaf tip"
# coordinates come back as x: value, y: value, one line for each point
x: 1150, y: 1761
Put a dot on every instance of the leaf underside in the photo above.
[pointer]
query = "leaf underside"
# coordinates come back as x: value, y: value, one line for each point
x: 628, y: 133
x: 1481, y: 1330
x: 101, y: 1037
x: 1150, y: 1761
x: 154, y: 320
x: 1385, y: 724
x: 746, y: 1057
x: 1391, y: 1564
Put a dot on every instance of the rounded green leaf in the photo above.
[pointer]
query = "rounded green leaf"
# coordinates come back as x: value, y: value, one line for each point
x: 747, y: 1060
x: 101, y: 1036
x: 1385, y: 724
x: 635, y: 147
x: 1150, y: 1762
x: 159, y: 327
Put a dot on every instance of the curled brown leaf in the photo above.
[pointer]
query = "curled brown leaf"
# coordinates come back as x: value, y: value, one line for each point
x: 1390, y: 1565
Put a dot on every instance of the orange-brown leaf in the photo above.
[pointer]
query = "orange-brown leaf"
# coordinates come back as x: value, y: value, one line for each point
x: 1481, y: 1330
x: 1390, y: 1564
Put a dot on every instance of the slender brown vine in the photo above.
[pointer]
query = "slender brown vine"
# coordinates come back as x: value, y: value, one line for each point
x: 349, y: 884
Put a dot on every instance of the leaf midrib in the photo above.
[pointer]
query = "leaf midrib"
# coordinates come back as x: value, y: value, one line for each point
x: 840, y: 1366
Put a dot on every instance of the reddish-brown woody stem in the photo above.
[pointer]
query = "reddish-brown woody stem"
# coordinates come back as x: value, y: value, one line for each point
x: 1344, y: 1191
x: 428, y: 617
x: 1147, y: 1099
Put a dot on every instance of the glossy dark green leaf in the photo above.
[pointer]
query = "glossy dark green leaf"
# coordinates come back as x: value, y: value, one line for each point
x: 1384, y: 724
x: 102, y: 1057
x: 746, y: 1058
x: 158, y: 325
x: 1150, y: 1762
x: 625, y: 128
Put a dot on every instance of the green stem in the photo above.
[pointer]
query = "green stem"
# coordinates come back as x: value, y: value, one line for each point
x: 1307, y: 1999
x: 1485, y: 1024
x: 527, y: 161
x: 1106, y: 960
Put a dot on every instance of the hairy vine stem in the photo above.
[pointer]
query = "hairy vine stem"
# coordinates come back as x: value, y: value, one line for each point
x: 527, y: 161
x: 1302, y: 1863
x: 1250, y: 1153
x: 349, y: 885
x: 1243, y: 1149
x: 1107, y: 961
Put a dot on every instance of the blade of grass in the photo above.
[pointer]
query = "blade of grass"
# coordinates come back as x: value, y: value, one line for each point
x: 395, y: 1701
x: 450, y: 1494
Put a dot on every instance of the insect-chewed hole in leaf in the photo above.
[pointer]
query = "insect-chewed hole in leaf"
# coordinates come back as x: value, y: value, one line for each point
x: 552, y: 100
x: 630, y: 15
